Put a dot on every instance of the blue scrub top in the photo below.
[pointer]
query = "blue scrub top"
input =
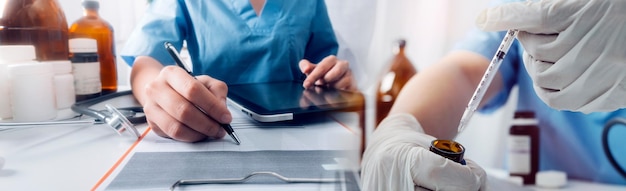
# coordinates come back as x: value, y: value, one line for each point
x: 228, y: 41
x: 570, y: 141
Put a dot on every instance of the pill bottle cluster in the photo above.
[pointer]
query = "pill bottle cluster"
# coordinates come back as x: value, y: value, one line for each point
x: 46, y: 66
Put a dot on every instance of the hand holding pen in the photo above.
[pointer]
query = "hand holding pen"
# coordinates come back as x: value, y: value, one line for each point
x: 177, y: 103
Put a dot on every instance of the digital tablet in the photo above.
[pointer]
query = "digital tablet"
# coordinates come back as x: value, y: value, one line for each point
x: 284, y: 101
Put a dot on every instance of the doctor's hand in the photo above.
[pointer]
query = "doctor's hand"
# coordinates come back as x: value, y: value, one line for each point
x: 330, y: 72
x: 170, y: 109
x: 574, y: 49
x: 397, y: 158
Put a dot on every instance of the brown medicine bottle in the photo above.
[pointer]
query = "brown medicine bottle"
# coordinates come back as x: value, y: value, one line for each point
x: 523, y: 144
x: 399, y: 72
x: 40, y: 23
x: 94, y: 27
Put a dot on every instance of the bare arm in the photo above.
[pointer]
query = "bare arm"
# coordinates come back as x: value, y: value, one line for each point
x: 438, y: 95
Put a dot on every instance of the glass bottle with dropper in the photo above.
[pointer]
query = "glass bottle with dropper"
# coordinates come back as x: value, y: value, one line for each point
x: 91, y: 25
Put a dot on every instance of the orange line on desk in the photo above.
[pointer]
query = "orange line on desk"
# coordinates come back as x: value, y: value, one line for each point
x: 106, y: 175
x: 342, y: 124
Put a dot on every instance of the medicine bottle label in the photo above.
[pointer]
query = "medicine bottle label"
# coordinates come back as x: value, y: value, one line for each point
x: 519, y: 154
x: 87, y: 78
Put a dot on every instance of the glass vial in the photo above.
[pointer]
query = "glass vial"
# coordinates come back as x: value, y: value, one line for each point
x: 86, y: 68
x: 524, y: 146
x: 449, y: 149
x: 40, y: 23
x: 32, y: 92
x: 399, y: 72
x: 91, y: 25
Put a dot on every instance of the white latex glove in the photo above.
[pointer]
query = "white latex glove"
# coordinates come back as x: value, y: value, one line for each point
x: 397, y: 158
x: 575, y: 50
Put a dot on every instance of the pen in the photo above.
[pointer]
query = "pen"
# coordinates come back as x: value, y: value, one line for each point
x: 172, y: 51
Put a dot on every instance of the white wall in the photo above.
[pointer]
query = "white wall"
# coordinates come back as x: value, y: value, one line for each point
x: 366, y: 30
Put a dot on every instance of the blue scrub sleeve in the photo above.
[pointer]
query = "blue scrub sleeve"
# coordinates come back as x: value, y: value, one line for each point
x: 486, y: 44
x: 164, y: 21
x: 322, y: 41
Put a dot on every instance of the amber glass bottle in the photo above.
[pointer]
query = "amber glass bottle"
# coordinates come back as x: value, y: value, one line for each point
x: 524, y: 146
x: 92, y: 26
x: 399, y: 72
x: 40, y: 23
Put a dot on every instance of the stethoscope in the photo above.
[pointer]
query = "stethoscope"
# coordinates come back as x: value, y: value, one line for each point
x: 605, y: 144
x: 119, y: 119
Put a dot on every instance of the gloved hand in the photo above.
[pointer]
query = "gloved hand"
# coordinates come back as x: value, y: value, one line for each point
x: 575, y: 50
x: 397, y: 158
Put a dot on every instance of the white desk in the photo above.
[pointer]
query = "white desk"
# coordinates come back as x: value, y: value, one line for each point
x: 58, y: 158
x: 69, y: 157
x: 76, y: 157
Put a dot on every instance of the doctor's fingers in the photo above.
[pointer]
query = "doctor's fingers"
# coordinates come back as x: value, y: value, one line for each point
x: 180, y: 109
x: 346, y: 82
x: 539, y: 17
x: 212, y: 101
x: 450, y: 175
x: 544, y: 47
x: 166, y: 126
x: 338, y: 72
x: 317, y: 71
x: 219, y: 90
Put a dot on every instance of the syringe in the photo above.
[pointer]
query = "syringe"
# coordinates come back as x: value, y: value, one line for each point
x: 491, y: 71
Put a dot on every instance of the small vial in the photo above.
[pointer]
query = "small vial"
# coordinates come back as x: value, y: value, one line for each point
x: 448, y: 149
x: 32, y: 92
x: 86, y: 68
x: 524, y: 146
x: 63, y: 84
x: 11, y: 54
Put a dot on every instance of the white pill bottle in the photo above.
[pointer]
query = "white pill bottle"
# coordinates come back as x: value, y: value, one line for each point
x: 32, y: 91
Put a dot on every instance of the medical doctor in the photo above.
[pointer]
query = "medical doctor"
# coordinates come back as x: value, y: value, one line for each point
x: 571, y: 56
x: 230, y: 42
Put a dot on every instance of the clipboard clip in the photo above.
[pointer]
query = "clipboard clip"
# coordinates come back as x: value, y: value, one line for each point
x: 184, y: 182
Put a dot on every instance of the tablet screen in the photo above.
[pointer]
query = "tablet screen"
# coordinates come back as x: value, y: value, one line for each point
x: 282, y: 97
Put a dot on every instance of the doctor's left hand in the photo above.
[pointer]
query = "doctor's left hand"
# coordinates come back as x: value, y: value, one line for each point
x: 330, y: 72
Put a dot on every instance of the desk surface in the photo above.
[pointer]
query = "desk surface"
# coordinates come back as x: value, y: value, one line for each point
x: 76, y: 157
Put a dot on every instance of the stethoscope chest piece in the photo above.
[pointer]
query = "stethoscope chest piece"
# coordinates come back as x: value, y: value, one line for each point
x: 118, y: 122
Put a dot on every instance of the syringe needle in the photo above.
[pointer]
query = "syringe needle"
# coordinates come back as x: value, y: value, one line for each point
x: 491, y: 71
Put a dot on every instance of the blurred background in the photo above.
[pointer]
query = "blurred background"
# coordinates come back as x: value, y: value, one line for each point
x: 367, y: 31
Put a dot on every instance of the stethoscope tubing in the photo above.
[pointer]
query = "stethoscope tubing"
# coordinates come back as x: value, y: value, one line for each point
x: 83, y: 107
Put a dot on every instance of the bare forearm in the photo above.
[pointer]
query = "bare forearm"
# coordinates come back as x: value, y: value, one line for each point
x: 145, y: 69
x: 438, y: 95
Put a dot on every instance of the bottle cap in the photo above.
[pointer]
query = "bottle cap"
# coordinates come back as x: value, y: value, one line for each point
x: 401, y: 43
x: 60, y: 66
x: 34, y: 68
x: 13, y: 53
x: 524, y: 114
x: 83, y: 45
x: 91, y: 4
x: 551, y: 179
